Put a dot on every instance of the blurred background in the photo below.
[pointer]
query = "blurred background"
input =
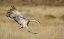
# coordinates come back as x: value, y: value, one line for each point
x: 32, y: 2
x: 50, y: 13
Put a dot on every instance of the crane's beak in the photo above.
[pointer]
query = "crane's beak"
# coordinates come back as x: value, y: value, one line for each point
x: 39, y: 22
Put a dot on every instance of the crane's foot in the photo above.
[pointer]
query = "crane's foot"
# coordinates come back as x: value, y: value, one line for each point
x: 32, y: 32
x: 28, y: 31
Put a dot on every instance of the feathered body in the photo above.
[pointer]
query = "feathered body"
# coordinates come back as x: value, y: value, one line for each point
x: 19, y: 18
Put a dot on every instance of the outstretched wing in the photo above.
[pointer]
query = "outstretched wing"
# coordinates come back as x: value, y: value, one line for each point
x: 13, y: 7
x: 13, y: 12
x: 16, y: 11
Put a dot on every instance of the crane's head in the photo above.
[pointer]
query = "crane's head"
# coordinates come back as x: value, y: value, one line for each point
x: 38, y: 22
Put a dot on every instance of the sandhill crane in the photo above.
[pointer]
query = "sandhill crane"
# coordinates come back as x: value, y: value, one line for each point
x: 19, y: 18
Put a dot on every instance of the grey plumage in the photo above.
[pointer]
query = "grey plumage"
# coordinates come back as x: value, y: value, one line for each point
x: 19, y: 18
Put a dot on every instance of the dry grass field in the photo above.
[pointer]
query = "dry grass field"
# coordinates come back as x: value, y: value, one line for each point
x: 51, y: 19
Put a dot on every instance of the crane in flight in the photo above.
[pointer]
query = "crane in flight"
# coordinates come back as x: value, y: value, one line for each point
x: 19, y: 18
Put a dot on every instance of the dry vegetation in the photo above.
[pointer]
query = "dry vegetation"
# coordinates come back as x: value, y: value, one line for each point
x: 62, y: 17
x: 49, y: 16
x: 32, y: 2
x: 49, y: 29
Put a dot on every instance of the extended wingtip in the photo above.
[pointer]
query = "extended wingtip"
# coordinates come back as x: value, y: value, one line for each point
x: 13, y: 7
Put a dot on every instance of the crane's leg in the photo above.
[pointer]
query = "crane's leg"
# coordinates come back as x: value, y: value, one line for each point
x: 27, y: 28
x: 21, y: 27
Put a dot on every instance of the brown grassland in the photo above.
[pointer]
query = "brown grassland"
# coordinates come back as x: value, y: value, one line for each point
x: 51, y: 19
